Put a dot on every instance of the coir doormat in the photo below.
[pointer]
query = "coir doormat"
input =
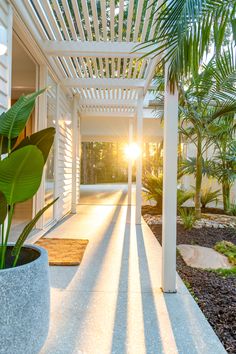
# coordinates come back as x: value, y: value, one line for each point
x: 63, y: 252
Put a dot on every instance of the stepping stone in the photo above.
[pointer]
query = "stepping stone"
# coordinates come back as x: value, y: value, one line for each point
x: 203, y: 257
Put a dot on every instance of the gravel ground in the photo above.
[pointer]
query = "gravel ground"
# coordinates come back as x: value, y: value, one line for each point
x: 215, y: 295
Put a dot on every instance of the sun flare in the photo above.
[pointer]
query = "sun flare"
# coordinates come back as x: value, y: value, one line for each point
x: 132, y: 151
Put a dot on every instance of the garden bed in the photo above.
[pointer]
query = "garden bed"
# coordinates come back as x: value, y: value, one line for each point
x: 216, y: 295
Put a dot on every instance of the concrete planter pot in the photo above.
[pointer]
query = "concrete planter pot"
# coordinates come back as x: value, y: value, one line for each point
x: 24, y: 302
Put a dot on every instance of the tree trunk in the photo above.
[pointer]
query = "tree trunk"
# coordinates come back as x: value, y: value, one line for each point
x: 226, y: 195
x: 198, y: 178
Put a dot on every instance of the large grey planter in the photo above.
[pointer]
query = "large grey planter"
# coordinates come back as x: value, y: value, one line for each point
x: 25, y: 304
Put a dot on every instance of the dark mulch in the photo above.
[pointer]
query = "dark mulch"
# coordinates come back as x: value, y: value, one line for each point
x: 155, y: 210
x: 215, y: 295
x: 207, y: 236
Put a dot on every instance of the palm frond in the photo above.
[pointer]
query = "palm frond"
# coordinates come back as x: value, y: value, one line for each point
x: 185, y: 29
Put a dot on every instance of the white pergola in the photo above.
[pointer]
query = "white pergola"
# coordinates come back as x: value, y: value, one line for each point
x: 91, y: 45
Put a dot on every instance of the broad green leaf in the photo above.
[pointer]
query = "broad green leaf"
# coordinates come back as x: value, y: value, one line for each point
x: 14, y: 120
x: 5, y: 144
x: 42, y: 139
x: 28, y: 228
x: 21, y: 173
x: 3, y: 208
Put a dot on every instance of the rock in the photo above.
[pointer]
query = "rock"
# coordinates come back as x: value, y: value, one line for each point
x: 203, y: 257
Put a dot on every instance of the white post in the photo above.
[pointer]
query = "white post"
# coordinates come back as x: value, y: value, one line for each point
x: 41, y: 124
x: 139, y: 139
x: 79, y: 158
x: 169, y: 188
x: 130, y: 163
x: 74, y: 155
x: 56, y: 154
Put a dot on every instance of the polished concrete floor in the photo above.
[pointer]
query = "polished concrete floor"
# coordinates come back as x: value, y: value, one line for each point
x: 112, y: 303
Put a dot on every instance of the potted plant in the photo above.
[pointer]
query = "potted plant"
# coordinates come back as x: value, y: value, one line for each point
x: 24, y: 280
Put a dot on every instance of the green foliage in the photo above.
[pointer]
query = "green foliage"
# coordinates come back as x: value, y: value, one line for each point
x: 27, y: 229
x: 43, y: 140
x: 188, y: 217
x: 21, y: 171
x: 228, y: 249
x: 232, y: 210
x: 225, y: 272
x: 208, y: 196
x: 14, y: 120
x: 183, y: 196
x: 153, y: 188
x: 3, y: 208
x: 185, y: 31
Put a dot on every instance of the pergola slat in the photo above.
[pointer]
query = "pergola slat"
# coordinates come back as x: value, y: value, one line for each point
x: 121, y: 16
x: 138, y: 20
x: 78, y: 19
x: 104, y: 19
x: 112, y: 19
x: 69, y: 19
x: 129, y: 20
x: 72, y: 39
x: 95, y: 19
x: 86, y: 18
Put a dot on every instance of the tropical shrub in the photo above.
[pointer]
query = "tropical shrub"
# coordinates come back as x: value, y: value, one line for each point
x: 21, y: 169
x: 232, y: 210
x: 188, y: 217
x: 209, y: 196
x: 153, y: 188
x: 183, y: 196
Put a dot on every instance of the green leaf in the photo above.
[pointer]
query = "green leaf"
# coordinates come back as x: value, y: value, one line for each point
x: 28, y: 228
x: 14, y: 120
x: 5, y: 144
x: 233, y: 23
x: 42, y: 139
x: 21, y: 173
x: 3, y: 208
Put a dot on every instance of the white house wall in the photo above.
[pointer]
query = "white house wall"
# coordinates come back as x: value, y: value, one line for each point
x: 64, y: 167
x: 189, y: 180
x: 5, y: 60
x: 117, y: 129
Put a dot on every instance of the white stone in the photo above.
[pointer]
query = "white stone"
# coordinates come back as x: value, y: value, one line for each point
x: 203, y: 257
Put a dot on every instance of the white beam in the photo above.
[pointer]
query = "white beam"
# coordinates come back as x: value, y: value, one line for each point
x: 139, y: 140
x: 108, y: 103
x: 107, y: 114
x: 74, y: 155
x: 130, y: 163
x: 93, y: 49
x: 169, y: 189
x: 102, y: 83
x: 151, y: 68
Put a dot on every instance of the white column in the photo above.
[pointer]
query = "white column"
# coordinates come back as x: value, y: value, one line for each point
x: 169, y: 189
x: 74, y: 155
x: 41, y: 123
x: 130, y: 163
x: 139, y: 140
x: 79, y: 149
x: 56, y: 155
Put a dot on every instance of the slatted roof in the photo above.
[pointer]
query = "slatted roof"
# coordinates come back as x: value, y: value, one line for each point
x: 91, y: 44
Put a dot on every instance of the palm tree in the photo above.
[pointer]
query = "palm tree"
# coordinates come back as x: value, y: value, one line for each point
x: 223, y: 164
x: 203, y: 100
x: 188, y: 29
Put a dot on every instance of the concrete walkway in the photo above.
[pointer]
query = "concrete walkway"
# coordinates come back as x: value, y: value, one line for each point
x: 112, y: 302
